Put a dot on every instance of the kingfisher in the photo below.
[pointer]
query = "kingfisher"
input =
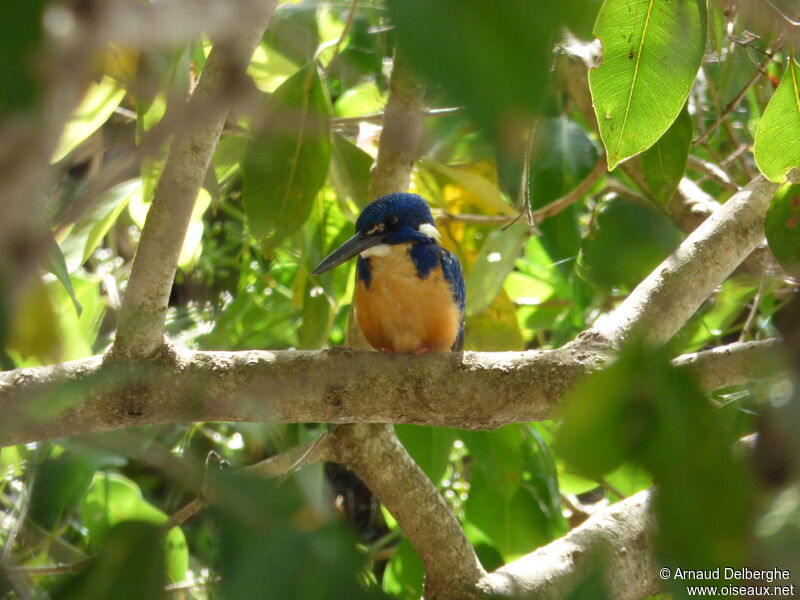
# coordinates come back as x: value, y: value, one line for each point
x: 410, y: 293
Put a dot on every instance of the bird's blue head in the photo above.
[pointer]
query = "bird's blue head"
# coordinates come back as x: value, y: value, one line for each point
x: 391, y: 219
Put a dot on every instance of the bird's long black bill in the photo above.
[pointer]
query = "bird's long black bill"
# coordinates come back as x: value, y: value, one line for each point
x: 355, y: 245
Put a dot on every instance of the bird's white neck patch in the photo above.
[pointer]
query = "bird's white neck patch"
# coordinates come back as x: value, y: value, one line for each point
x: 430, y: 231
x: 379, y: 250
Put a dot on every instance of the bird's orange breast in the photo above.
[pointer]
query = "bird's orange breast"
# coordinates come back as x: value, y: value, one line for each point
x: 401, y: 311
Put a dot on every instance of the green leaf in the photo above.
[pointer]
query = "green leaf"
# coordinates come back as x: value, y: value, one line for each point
x: 96, y: 107
x: 782, y: 226
x: 652, y: 50
x: 430, y: 447
x: 317, y: 316
x: 562, y: 155
x: 129, y: 566
x: 20, y: 42
x: 493, y: 58
x: 56, y: 264
x: 92, y: 227
x: 664, y: 163
x: 350, y: 170
x: 494, y: 329
x: 404, y: 573
x: 112, y: 499
x: 484, y: 191
x: 649, y: 237
x: 495, y: 261
x: 286, y: 163
x: 777, y: 143
x: 273, y: 545
x: 60, y: 482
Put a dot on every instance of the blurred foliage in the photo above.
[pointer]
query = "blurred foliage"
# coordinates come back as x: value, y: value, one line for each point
x: 283, y: 189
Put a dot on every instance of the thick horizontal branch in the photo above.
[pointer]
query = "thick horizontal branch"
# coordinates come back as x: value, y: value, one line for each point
x: 473, y: 390
x: 619, y: 538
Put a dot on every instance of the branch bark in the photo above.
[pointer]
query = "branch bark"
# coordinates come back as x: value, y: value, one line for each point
x: 473, y: 390
x: 375, y: 454
x: 662, y: 303
x: 140, y: 327
x: 619, y: 538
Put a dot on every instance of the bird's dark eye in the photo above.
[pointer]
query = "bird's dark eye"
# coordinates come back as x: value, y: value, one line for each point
x: 391, y: 221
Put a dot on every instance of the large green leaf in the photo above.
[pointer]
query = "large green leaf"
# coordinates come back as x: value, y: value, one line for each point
x: 96, y: 107
x: 664, y: 163
x: 782, y: 226
x: 129, y: 566
x: 286, y: 163
x: 651, y: 52
x: 777, y: 144
x: 492, y: 57
x: 514, y: 499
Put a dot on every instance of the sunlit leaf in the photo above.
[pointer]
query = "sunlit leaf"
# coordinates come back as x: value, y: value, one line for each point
x: 783, y: 226
x: 112, y: 499
x: 430, y: 447
x: 286, y: 164
x: 33, y: 331
x: 494, y: 263
x: 87, y: 233
x: 777, y: 143
x: 96, y: 107
x: 652, y: 50
x: 664, y: 163
x: 494, y: 329
x: 404, y: 573
x: 481, y: 188
x: 56, y: 264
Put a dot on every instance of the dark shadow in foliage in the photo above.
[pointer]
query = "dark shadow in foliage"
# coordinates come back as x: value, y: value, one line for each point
x: 272, y: 544
x: 130, y: 566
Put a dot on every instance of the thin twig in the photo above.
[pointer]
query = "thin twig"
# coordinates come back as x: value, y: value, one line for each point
x: 556, y: 206
x: 735, y: 102
x: 753, y: 309
x: 713, y: 172
x: 783, y: 16
x: 446, y: 217
x: 348, y: 23
x: 377, y: 118
x: 50, y: 570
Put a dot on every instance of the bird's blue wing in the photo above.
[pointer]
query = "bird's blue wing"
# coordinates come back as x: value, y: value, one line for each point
x: 455, y: 277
